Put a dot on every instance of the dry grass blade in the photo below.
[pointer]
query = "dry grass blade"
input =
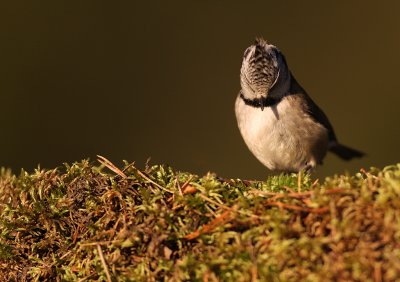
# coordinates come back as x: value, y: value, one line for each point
x: 299, y: 182
x: 87, y: 277
x: 110, y: 165
x: 214, y: 202
x: 103, y: 262
x: 143, y: 175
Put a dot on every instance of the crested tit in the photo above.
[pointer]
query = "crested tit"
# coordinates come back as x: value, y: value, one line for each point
x: 281, y: 125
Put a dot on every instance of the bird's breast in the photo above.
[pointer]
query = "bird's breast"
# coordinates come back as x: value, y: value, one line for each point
x: 282, y: 137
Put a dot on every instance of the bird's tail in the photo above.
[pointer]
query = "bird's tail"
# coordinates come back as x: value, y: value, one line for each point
x: 344, y: 152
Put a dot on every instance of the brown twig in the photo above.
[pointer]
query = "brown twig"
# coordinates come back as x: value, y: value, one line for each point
x: 278, y: 195
x: 378, y: 272
x: 362, y: 170
x: 297, y: 208
x: 290, y: 190
x: 218, y: 221
x: 304, y: 196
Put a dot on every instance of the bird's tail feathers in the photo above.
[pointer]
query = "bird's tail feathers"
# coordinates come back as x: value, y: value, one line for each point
x: 344, y: 152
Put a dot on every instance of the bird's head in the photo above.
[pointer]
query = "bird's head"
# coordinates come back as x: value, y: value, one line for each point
x: 263, y: 67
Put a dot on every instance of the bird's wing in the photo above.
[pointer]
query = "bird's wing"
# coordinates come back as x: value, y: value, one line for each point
x: 319, y: 116
x: 312, y: 109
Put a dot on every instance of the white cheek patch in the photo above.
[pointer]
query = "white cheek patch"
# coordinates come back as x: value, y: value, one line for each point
x: 275, y: 60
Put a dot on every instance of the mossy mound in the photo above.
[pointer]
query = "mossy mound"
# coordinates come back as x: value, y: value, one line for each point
x: 81, y: 223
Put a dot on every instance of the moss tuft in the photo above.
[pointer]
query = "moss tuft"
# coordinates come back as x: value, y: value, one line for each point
x: 80, y: 222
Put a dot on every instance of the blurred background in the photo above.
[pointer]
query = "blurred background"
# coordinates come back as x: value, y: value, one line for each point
x: 134, y: 79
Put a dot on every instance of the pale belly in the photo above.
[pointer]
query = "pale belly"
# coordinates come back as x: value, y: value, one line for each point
x: 280, y: 137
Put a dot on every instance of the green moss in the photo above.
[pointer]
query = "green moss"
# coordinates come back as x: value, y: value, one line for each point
x: 80, y: 222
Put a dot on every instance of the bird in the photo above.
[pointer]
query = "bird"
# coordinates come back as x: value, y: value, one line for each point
x: 279, y: 122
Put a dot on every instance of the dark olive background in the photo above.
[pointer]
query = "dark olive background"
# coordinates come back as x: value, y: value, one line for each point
x: 132, y: 80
